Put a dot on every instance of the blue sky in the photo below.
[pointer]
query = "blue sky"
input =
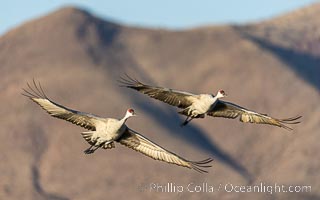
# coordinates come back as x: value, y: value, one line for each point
x: 173, y: 14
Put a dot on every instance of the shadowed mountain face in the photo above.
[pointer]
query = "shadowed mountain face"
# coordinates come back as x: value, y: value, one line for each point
x: 269, y: 67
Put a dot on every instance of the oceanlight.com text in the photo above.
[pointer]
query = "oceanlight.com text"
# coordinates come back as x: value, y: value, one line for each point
x: 206, y: 187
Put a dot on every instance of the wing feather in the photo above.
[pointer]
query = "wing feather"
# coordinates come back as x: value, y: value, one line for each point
x: 172, y: 97
x: 143, y: 145
x: 232, y: 111
x: 82, y: 119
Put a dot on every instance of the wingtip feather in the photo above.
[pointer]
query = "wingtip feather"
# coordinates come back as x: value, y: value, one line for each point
x: 199, y: 165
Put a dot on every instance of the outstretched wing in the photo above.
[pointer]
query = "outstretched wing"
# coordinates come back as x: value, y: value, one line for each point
x: 167, y: 95
x: 143, y: 145
x: 230, y: 110
x: 82, y: 119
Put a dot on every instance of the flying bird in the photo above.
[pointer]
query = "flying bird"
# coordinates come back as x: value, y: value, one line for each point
x: 200, y: 105
x: 104, y: 132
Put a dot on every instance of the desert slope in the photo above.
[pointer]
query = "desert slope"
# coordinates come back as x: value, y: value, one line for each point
x: 78, y: 59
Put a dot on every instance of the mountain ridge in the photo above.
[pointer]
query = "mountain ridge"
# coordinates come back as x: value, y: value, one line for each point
x: 78, y: 58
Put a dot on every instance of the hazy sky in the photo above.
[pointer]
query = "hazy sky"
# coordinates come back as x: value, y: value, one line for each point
x: 164, y: 13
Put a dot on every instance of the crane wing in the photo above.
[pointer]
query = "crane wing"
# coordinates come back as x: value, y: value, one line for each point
x: 173, y: 97
x: 230, y: 110
x: 143, y: 145
x: 85, y: 120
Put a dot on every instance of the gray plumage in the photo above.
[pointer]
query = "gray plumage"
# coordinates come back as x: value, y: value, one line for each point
x: 197, y: 106
x: 104, y: 132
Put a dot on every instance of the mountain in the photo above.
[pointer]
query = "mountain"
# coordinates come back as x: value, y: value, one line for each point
x: 271, y: 67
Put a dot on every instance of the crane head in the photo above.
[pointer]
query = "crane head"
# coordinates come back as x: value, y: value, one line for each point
x: 221, y: 94
x: 130, y: 112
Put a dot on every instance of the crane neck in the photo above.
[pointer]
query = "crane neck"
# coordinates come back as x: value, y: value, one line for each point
x: 124, y: 119
x: 215, y: 99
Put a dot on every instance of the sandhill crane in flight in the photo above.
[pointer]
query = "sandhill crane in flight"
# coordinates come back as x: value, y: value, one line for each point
x: 197, y: 106
x: 103, y: 132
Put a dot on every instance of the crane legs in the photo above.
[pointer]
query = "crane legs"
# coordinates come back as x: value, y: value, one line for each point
x: 91, y: 150
x: 186, y: 121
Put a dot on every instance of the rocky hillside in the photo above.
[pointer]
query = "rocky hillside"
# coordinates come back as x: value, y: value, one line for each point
x: 271, y: 67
